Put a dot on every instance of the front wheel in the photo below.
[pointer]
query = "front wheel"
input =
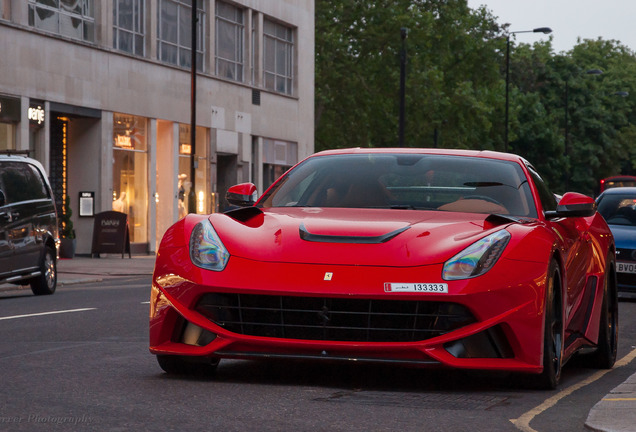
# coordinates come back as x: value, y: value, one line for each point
x: 553, y: 331
x: 46, y: 282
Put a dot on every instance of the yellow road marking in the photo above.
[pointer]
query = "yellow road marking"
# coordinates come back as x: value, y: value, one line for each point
x: 523, y: 423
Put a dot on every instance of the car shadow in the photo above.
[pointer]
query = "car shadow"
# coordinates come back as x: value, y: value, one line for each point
x: 370, y: 377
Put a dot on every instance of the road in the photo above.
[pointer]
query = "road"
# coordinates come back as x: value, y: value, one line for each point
x: 79, y: 360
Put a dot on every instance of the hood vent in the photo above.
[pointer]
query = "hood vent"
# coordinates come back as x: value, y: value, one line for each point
x: 319, y: 238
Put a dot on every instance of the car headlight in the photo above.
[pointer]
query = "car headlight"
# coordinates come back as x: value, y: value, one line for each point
x: 477, y: 258
x: 206, y: 249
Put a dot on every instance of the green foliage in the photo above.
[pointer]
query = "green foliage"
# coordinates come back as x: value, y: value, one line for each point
x: 453, y: 74
x: 67, y: 230
x: 598, y: 128
x: 455, y: 88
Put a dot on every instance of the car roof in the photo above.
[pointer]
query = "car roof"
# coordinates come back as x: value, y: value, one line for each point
x: 432, y: 151
x: 19, y: 156
x: 628, y: 190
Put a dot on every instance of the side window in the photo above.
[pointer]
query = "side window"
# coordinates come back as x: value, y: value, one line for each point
x: 22, y: 182
x: 548, y: 200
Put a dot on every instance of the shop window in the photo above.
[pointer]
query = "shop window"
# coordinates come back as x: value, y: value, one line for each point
x: 278, y: 157
x: 129, y: 26
x: 5, y: 11
x: 230, y: 32
x: 7, y: 136
x: 184, y: 182
x: 71, y: 18
x: 174, y: 33
x: 278, y: 57
x: 130, y: 173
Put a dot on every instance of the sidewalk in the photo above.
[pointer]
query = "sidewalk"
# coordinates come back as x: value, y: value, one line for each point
x: 85, y: 269
x: 616, y: 412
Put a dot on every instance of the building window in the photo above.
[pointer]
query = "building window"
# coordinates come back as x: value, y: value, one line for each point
x: 278, y: 57
x: 129, y: 26
x: 184, y: 183
x: 175, y: 32
x: 7, y: 136
x: 278, y: 157
x: 10, y: 114
x: 230, y: 32
x: 5, y: 11
x: 72, y: 18
x: 130, y: 173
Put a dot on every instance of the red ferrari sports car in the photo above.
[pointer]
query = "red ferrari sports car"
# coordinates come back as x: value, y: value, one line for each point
x: 451, y: 258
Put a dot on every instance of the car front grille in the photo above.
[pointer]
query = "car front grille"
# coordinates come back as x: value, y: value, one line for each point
x: 623, y: 254
x: 333, y: 319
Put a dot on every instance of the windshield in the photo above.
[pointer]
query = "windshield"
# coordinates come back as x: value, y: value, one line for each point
x: 405, y: 181
x: 619, y: 209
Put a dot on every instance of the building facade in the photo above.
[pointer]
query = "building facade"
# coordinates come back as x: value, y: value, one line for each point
x: 99, y: 91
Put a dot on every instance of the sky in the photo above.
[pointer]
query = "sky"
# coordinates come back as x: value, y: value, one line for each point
x: 568, y: 19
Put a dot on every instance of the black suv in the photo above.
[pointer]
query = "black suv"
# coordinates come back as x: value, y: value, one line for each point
x: 28, y: 225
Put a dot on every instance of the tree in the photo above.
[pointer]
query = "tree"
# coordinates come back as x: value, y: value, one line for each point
x: 455, y: 88
x: 453, y: 75
x: 598, y: 127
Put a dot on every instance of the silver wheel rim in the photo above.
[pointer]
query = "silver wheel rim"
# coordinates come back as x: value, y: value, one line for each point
x: 49, y: 270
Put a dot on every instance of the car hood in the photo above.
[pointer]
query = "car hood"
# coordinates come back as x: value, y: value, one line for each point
x: 624, y: 236
x: 376, y: 237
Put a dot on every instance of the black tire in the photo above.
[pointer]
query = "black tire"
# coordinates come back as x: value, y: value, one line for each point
x: 553, y: 332
x: 46, y: 282
x: 605, y: 355
x: 178, y: 365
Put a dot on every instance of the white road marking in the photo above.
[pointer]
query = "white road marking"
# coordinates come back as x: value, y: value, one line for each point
x: 45, y: 313
x: 523, y: 422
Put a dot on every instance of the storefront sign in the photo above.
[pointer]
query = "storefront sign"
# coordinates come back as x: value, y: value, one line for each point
x: 36, y: 115
x: 123, y: 141
x: 185, y: 149
x: 110, y: 234
x: 9, y: 109
x: 86, y: 204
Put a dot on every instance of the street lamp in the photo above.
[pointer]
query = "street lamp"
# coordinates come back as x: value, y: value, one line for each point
x: 192, y: 207
x: 544, y: 30
x: 403, y: 34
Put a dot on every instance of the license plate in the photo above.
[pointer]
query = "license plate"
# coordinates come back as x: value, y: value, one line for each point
x: 623, y: 267
x: 416, y: 287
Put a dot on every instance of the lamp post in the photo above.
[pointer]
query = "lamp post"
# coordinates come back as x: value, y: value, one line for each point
x: 192, y: 202
x: 403, y: 34
x: 567, y: 126
x: 544, y: 30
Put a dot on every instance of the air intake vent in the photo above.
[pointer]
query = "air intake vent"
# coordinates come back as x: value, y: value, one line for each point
x: 333, y: 319
x: 256, y: 97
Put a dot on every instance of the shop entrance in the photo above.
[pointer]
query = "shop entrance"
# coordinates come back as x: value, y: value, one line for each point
x: 226, y: 175
x: 59, y: 161
x: 74, y: 142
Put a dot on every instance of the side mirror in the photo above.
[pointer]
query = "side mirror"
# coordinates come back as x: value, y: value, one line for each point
x: 573, y: 205
x: 242, y: 195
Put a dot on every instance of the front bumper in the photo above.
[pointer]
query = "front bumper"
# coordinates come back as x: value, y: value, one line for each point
x: 493, y: 322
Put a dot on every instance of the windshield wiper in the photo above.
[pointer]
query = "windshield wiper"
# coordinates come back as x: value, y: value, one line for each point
x: 403, y: 207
